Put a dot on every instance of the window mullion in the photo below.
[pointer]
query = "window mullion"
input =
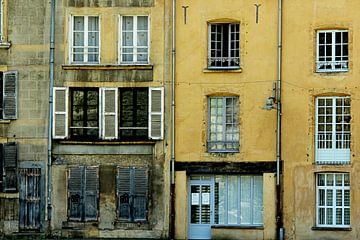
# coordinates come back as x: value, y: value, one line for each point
x: 333, y: 53
x: 334, y: 127
x: 135, y: 38
x: 86, y: 37
x: 224, y: 121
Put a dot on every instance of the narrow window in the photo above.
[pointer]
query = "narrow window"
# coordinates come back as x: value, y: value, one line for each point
x: 332, y: 130
x: 84, y: 113
x: 332, y: 51
x: 8, y: 164
x: 1, y: 20
x: 333, y: 200
x: 223, y: 124
x: 224, y: 45
x: 85, y: 39
x: 134, y: 44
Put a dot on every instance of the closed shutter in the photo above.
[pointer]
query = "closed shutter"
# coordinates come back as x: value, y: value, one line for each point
x: 109, y: 113
x: 10, y: 166
x: 10, y: 95
x: 60, y: 114
x: 75, y: 196
x: 156, y: 113
x: 91, y: 193
x: 123, y: 193
x: 140, y: 193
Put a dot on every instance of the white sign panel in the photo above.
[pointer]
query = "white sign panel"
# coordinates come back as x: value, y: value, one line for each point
x: 195, y: 198
x: 205, y: 198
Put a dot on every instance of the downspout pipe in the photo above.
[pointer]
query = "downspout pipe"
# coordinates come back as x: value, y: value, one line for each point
x: 51, y: 85
x: 172, y: 167
x: 279, y: 217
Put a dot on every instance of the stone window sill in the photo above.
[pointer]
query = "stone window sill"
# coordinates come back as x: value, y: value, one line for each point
x: 5, y: 45
x: 104, y: 142
x: 331, y: 228
x: 238, y: 227
x: 106, y: 67
x: 2, y: 121
x: 222, y: 70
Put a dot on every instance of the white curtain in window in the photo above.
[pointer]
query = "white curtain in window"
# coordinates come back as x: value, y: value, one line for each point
x: 233, y: 194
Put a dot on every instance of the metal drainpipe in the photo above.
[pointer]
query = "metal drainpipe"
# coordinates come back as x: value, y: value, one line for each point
x: 279, y: 220
x: 172, y: 187
x: 51, y: 85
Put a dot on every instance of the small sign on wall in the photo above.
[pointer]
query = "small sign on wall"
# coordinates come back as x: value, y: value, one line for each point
x: 205, y: 198
x: 195, y: 198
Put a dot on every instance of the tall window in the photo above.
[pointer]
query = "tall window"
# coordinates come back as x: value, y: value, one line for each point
x: 223, y: 123
x: 134, y: 44
x: 332, y: 51
x: 224, y: 45
x: 84, y: 113
x: 1, y: 20
x: 85, y: 39
x: 333, y: 200
x: 8, y: 167
x: 8, y: 94
x: 332, y: 130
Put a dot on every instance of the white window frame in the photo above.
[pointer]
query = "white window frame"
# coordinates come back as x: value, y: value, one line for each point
x: 332, y: 147
x: 86, y: 42
x: 64, y: 113
x: 120, y: 45
x: 336, y: 65
x: 330, y: 202
x: 1, y: 21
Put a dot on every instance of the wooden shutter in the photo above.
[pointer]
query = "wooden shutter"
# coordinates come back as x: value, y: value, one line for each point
x: 109, y: 113
x: 156, y: 113
x: 10, y: 166
x: 123, y: 193
x: 75, y: 195
x: 60, y: 113
x: 10, y: 95
x: 140, y: 192
x: 91, y: 193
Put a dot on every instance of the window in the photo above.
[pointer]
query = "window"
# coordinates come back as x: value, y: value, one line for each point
x: 8, y: 98
x: 1, y: 20
x: 84, y: 113
x: 224, y: 45
x: 8, y: 167
x: 332, y: 130
x: 109, y: 113
x: 132, y: 194
x: 223, y: 132
x: 333, y: 200
x: 83, y: 192
x: 332, y: 51
x: 134, y: 40
x: 85, y: 39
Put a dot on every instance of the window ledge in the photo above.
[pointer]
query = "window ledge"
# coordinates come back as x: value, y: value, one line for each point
x: 222, y: 70
x: 332, y: 163
x: 132, y: 225
x: 329, y: 72
x: 78, y: 224
x: 106, y: 67
x: 9, y: 195
x: 4, y: 121
x: 5, y: 45
x: 331, y: 228
x: 106, y: 142
x: 237, y: 227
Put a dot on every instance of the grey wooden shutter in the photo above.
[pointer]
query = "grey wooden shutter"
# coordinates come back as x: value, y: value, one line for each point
x: 123, y: 193
x: 91, y: 193
x: 109, y: 113
x: 60, y: 114
x: 10, y: 95
x: 10, y: 166
x: 156, y: 113
x: 75, y: 195
x: 140, y: 192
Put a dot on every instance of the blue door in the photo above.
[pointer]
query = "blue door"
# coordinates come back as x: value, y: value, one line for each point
x: 200, y: 209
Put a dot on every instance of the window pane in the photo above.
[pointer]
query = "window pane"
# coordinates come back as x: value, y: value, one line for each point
x: 233, y: 194
x: 79, y: 23
x: 127, y: 23
x: 142, y: 23
x: 245, y: 199
x: 258, y: 200
x: 220, y: 199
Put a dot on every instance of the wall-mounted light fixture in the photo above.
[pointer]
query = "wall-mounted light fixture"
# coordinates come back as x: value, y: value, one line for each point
x: 270, y: 101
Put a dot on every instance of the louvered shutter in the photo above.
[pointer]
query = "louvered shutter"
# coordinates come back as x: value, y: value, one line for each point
x: 91, y: 193
x: 123, y: 193
x: 140, y: 192
x: 10, y: 95
x: 156, y: 113
x: 75, y: 180
x: 109, y: 113
x: 10, y: 166
x: 60, y: 113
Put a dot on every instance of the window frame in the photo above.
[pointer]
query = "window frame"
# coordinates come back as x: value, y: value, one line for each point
x: 2, y: 21
x: 341, y: 154
x: 134, y: 46
x: 210, y: 58
x: 334, y: 188
x: 333, y: 56
x: 235, y: 149
x: 9, y: 166
x: 86, y: 42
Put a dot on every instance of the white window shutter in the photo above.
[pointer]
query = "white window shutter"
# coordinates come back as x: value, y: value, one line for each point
x: 156, y: 113
x: 60, y: 113
x: 109, y: 113
x: 10, y: 95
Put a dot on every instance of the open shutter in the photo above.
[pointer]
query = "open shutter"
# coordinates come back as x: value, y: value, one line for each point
x: 10, y: 166
x: 156, y: 113
x: 109, y: 113
x: 10, y: 95
x: 140, y: 179
x: 91, y: 193
x: 60, y: 114
x: 75, y: 196
x: 123, y: 193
